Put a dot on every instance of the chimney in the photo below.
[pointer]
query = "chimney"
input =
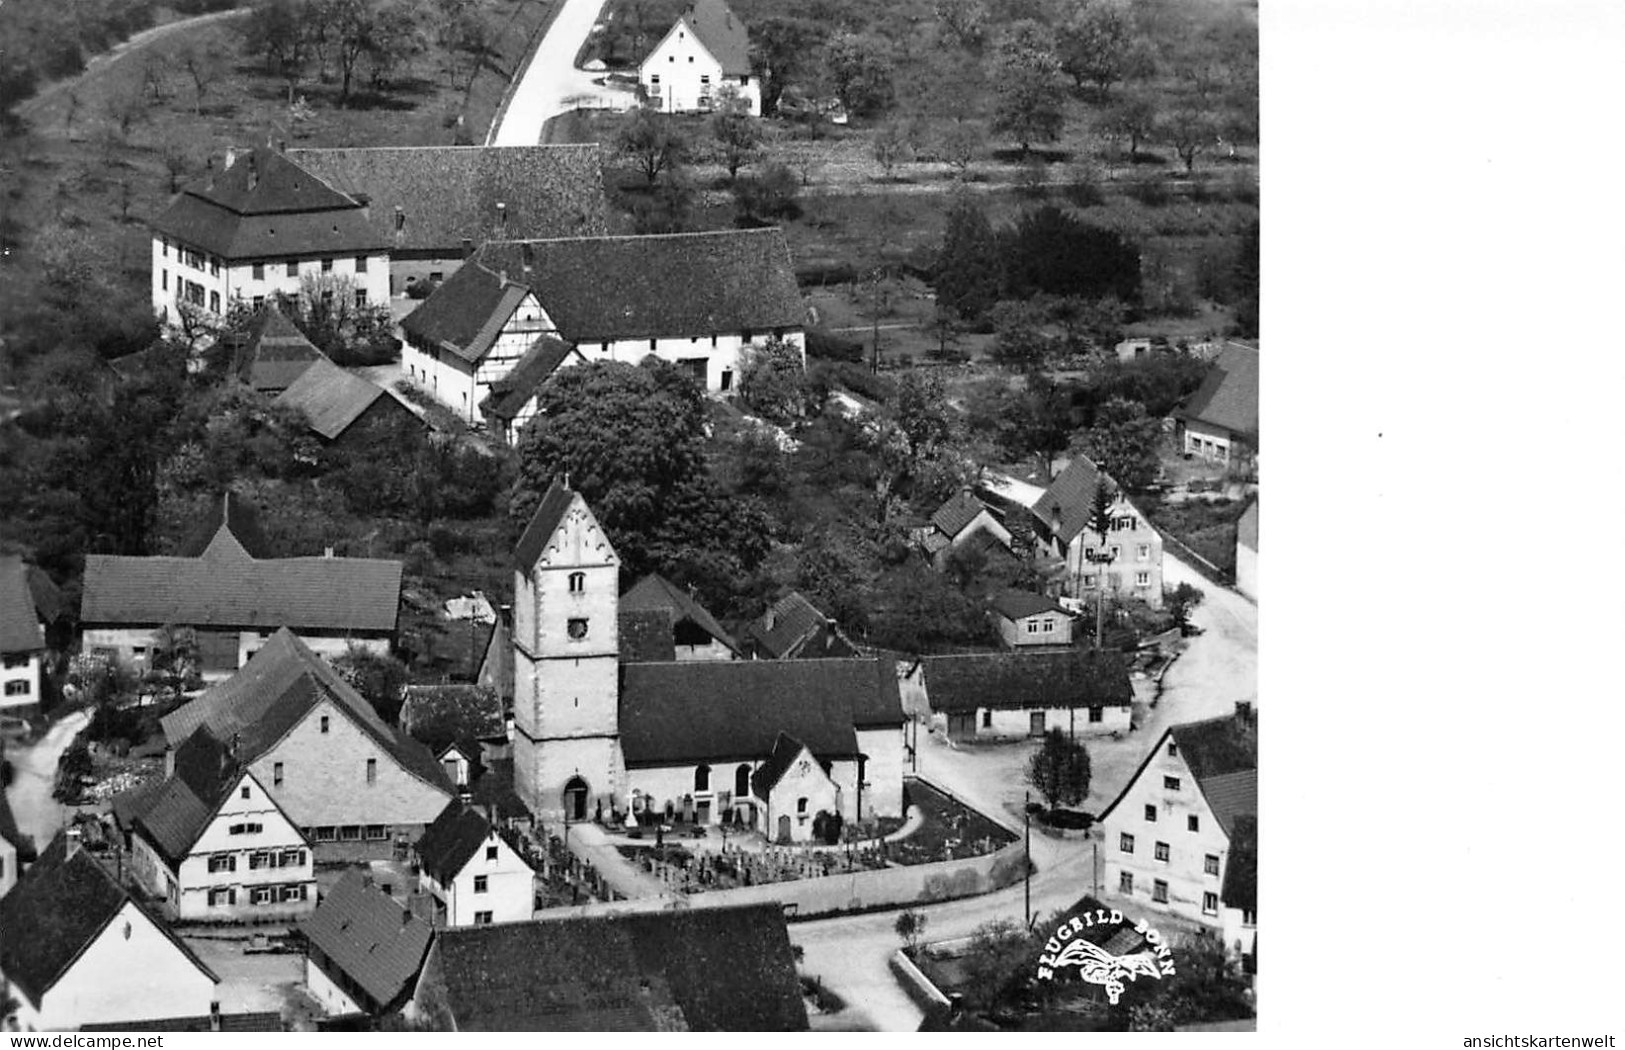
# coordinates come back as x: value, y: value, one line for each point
x: 282, y: 145
x: 73, y: 843
x: 468, y: 247
x: 406, y: 916
x: 1244, y: 711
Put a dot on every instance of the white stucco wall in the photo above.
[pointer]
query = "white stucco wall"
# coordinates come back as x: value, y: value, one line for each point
x: 882, y: 772
x: 1247, y: 571
x: 509, y: 894
x: 331, y: 997
x: 131, y: 645
x: 680, y: 70
x: 1017, y: 721
x: 8, y: 866
x: 238, y: 280
x: 803, y: 780
x: 131, y: 972
x: 278, y: 837
x: 1052, y: 628
x: 443, y: 376
x: 19, y: 682
x: 720, y: 353
x: 1137, y: 570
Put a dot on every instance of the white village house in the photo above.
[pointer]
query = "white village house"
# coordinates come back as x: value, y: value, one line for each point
x: 705, y: 50
x: 363, y: 951
x: 1025, y: 694
x: 1127, y: 561
x: 471, y: 872
x: 22, y: 642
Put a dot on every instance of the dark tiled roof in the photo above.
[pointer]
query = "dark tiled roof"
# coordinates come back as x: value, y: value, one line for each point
x: 960, y: 510
x: 645, y: 636
x: 670, y: 285
x: 657, y: 592
x: 1067, y: 678
x: 699, y: 969
x: 266, y: 207
x: 439, y: 715
x: 1228, y: 396
x: 496, y: 669
x: 239, y: 519
x: 180, y: 809
x: 55, y: 912
x: 49, y: 601
x: 494, y: 788
x: 1222, y: 754
x: 677, y: 713
x: 1231, y: 796
x: 788, y: 623
x: 448, y: 193
x: 369, y: 937
x: 1015, y: 605
x: 452, y: 840
x: 1072, y: 493
x: 227, y: 588
x: 20, y: 630
x: 549, y: 512
x: 1241, y: 868
x: 768, y: 775
x: 510, y: 393
x: 1247, y: 527
x: 276, y: 353
x: 715, y: 26
x: 465, y: 314
x: 333, y: 399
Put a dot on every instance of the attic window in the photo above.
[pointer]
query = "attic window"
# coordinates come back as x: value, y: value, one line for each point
x: 324, y: 723
x: 245, y: 791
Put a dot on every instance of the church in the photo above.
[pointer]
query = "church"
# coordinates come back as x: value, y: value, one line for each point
x: 764, y: 743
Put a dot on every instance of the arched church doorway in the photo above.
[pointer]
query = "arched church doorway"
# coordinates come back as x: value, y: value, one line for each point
x: 575, y: 799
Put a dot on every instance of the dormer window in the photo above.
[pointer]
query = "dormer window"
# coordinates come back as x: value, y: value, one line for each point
x: 578, y: 582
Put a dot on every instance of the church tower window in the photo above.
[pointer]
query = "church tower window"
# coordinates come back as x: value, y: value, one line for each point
x: 578, y: 582
x: 577, y: 629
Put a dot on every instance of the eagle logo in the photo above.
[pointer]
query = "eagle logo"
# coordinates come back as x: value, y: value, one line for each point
x: 1098, y: 966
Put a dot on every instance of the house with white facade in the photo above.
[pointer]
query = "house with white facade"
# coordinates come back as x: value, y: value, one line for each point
x: 78, y: 950
x: 214, y: 845
x: 1025, y: 694
x: 1182, y: 835
x: 513, y: 398
x: 259, y: 226
x: 22, y: 642
x: 1219, y: 421
x: 355, y: 786
x: 472, y: 873
x: 792, y: 789
x: 706, y: 50
x: 363, y: 951
x: 1126, y: 561
x: 1025, y: 619
x: 962, y: 519
x: 696, y: 300
x: 234, y: 594
x: 597, y: 737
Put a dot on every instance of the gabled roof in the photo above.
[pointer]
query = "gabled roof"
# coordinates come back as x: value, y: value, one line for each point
x: 726, y: 969
x: 667, y: 285
x: 549, y: 513
x: 332, y: 398
x: 49, y: 601
x: 1222, y: 754
x: 239, y: 520
x: 20, y: 629
x: 58, y: 910
x: 264, y: 206
x: 448, y: 193
x: 496, y: 668
x: 513, y: 391
x: 1247, y: 527
x: 177, y: 813
x: 1228, y: 396
x: 275, y: 354
x: 465, y: 314
x: 1014, y: 604
x: 1231, y: 796
x: 645, y: 635
x: 958, y: 512
x: 1066, y: 506
x: 452, y: 841
x: 277, y: 688
x: 656, y: 592
x: 369, y: 937
x: 787, y: 624
x: 228, y: 588
x: 786, y: 749
x: 684, y: 713
x: 724, y: 35
x: 1064, y: 678
x: 439, y: 715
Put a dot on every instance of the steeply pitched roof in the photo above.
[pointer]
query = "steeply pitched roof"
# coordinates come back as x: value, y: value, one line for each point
x: 656, y: 592
x: 667, y: 285
x: 677, y: 713
x: 274, y: 691
x: 448, y: 193
x: 1054, y: 679
x: 1228, y: 396
x: 369, y: 937
x: 1066, y: 506
x: 332, y: 398
x: 1222, y: 754
x: 768, y: 775
x: 510, y: 393
x: 714, y: 25
x: 173, y: 816
x: 20, y: 629
x: 439, y: 715
x: 549, y: 512
x: 702, y: 969
x: 465, y: 314
x: 959, y: 511
x: 1231, y: 796
x: 237, y: 516
x: 275, y: 354
x: 787, y: 623
x: 265, y: 206
x: 1247, y: 527
x: 227, y: 588
x: 645, y: 635
x: 49, y: 602
x: 452, y: 841
x: 58, y: 909
x: 1015, y: 604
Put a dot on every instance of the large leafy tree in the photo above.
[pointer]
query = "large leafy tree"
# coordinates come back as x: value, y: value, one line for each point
x: 860, y: 71
x: 1027, y: 103
x: 967, y: 270
x: 1059, y: 770
x: 1123, y: 440
x: 780, y: 47
x: 1097, y: 44
x: 653, y: 142
x: 1050, y: 250
x: 737, y: 132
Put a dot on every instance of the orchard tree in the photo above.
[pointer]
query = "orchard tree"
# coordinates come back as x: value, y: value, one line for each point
x: 768, y: 195
x: 205, y: 65
x: 1028, y: 87
x: 891, y: 147
x: 653, y: 142
x: 961, y: 143
x: 1123, y: 439
x: 736, y: 131
x: 377, y: 676
x: 860, y: 72
x: 1132, y: 117
x: 780, y: 48
x: 1191, y: 129
x: 1098, y: 45
x: 964, y: 20
x: 1059, y: 770
x: 772, y: 382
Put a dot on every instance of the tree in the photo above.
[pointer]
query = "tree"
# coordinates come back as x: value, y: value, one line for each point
x: 891, y: 147
x: 910, y: 926
x: 860, y: 71
x: 1059, y: 770
x: 377, y: 676
x: 739, y: 133
x: 772, y: 382
x: 1018, y: 342
x: 1191, y: 130
x: 1178, y: 602
x: 205, y: 64
x: 175, y: 152
x: 965, y: 20
x: 767, y: 196
x: 654, y: 143
x: 1050, y: 250
x: 780, y: 48
x: 1001, y: 958
x: 276, y: 29
x: 1028, y: 87
x: 1098, y: 45
x: 1244, y: 274
x: 174, y: 657
x: 1132, y: 117
x: 1124, y: 440
x: 966, y: 277
x: 961, y: 144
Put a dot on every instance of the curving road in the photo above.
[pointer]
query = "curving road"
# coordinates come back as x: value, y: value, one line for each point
x: 550, y: 84
x: 38, y: 814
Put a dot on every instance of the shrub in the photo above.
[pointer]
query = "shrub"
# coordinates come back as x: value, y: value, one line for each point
x: 827, y: 827
x: 825, y: 346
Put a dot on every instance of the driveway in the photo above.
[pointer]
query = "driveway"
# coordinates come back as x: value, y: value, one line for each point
x: 38, y: 814
x: 550, y: 84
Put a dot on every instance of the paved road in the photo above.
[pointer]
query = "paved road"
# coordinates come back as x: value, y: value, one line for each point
x: 38, y: 814
x: 551, y: 84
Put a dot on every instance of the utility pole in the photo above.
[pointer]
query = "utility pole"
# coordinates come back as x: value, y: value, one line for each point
x: 1027, y: 850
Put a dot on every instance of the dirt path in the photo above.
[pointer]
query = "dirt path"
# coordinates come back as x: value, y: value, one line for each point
x: 551, y: 84
x: 38, y: 814
x: 99, y: 64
